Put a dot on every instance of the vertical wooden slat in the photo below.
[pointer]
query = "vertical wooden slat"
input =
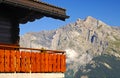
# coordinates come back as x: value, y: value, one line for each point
x: 2, y: 67
x: 18, y: 56
x: 7, y: 60
x: 42, y: 62
x: 23, y: 61
x: 54, y: 63
x: 50, y: 62
x: 33, y: 62
x: 58, y: 62
x: 28, y: 68
x: 46, y: 62
x: 1, y: 60
x: 12, y: 61
x: 38, y: 62
x: 63, y: 63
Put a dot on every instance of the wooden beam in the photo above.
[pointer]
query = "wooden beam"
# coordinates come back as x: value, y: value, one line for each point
x: 17, y: 47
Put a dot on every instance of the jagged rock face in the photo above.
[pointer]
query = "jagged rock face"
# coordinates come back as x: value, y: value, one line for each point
x: 83, y: 41
x: 37, y: 40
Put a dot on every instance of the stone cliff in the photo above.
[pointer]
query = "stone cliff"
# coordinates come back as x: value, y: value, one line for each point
x: 85, y: 42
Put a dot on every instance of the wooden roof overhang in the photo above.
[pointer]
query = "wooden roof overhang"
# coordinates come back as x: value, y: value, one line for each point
x: 29, y: 10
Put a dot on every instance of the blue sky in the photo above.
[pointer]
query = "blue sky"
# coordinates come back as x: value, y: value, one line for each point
x: 106, y: 10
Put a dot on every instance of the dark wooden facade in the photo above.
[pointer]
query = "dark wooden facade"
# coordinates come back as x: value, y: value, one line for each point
x: 9, y: 30
x: 14, y: 12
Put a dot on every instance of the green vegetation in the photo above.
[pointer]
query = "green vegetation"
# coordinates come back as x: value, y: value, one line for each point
x: 69, y: 74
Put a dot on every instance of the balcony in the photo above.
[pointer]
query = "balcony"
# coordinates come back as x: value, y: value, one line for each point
x: 15, y: 59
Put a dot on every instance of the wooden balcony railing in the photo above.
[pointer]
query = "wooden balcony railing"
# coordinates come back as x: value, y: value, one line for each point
x: 18, y: 59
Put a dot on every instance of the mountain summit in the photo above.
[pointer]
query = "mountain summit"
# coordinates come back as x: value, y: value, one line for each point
x: 92, y: 47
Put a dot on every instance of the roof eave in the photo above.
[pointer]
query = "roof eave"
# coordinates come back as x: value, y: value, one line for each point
x: 47, y: 9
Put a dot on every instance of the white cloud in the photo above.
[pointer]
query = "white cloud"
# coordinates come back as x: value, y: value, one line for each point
x: 71, y: 55
x: 85, y: 58
x: 78, y: 59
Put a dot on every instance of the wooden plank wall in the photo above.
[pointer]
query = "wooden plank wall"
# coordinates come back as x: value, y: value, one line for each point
x: 9, y: 31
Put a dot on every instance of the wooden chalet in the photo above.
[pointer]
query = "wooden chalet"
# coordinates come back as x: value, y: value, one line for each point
x: 13, y: 58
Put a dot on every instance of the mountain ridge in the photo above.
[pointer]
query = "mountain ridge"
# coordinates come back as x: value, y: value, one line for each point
x: 83, y: 41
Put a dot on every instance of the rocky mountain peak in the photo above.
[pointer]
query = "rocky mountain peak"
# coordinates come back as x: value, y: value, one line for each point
x: 90, y: 19
x: 90, y: 23
x: 83, y: 41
